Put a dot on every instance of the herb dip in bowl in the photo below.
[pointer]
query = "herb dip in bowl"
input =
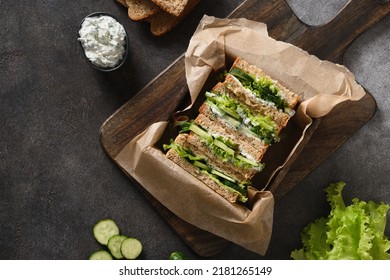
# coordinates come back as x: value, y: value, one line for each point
x: 104, y: 41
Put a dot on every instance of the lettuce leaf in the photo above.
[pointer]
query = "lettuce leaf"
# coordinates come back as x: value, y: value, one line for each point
x: 353, y: 232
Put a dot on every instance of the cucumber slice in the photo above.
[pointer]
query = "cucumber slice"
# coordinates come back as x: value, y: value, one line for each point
x: 131, y: 248
x: 100, y: 255
x: 104, y: 230
x: 224, y: 147
x: 229, y: 111
x: 201, y: 133
x: 114, y: 245
x: 241, y: 75
x: 201, y: 165
x: 247, y: 160
x: 220, y: 174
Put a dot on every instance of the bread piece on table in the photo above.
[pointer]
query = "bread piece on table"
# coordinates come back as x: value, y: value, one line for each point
x: 174, y: 156
x: 161, y: 23
x: 291, y: 98
x: 141, y: 9
x: 173, y: 7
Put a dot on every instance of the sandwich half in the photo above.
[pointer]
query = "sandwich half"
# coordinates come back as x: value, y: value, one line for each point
x: 179, y: 151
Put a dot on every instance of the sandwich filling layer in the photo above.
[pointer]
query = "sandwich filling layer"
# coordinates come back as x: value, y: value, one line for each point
x: 202, y: 165
x: 241, y: 117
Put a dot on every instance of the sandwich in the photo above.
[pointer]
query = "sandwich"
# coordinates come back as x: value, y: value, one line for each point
x: 239, y: 119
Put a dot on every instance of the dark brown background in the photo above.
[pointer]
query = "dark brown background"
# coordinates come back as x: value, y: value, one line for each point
x: 55, y: 179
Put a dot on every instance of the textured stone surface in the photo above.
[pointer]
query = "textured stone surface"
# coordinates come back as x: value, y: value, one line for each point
x: 55, y: 179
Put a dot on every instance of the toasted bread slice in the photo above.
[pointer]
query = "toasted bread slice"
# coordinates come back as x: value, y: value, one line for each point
x: 141, y: 9
x: 172, y: 7
x: 291, y: 98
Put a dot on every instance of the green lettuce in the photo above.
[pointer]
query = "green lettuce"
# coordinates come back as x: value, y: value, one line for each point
x: 262, y: 87
x: 350, y: 232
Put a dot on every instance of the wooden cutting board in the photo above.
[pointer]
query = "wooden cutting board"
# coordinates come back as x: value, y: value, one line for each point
x: 162, y: 96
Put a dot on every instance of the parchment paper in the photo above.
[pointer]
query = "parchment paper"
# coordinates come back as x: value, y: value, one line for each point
x: 320, y: 84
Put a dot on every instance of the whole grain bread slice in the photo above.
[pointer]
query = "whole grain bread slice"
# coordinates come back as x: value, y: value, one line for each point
x: 173, y: 7
x: 161, y: 23
x: 141, y: 9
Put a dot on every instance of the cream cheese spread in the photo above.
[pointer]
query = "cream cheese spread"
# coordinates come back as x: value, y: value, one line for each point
x: 103, y: 39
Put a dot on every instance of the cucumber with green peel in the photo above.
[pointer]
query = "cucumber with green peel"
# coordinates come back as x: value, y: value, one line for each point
x: 114, y: 245
x: 220, y: 174
x: 224, y: 147
x: 201, y: 165
x: 201, y: 133
x: 107, y: 233
x: 100, y: 255
x: 104, y: 230
x: 131, y: 248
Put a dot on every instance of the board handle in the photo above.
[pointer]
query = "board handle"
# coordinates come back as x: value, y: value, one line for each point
x: 328, y: 41
x: 334, y: 37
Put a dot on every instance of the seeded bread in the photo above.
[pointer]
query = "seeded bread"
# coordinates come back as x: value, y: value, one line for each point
x: 141, y: 9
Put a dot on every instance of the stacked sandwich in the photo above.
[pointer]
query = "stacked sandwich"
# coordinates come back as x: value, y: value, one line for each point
x: 163, y: 15
x: 240, y: 118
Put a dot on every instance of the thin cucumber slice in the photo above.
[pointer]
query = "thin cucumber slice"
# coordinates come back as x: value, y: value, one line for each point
x: 131, y: 248
x: 104, y: 230
x: 114, y: 245
x: 100, y: 255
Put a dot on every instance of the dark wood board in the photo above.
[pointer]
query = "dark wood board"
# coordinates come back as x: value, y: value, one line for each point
x: 162, y: 96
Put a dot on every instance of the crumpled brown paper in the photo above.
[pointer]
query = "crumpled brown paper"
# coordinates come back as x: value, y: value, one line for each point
x: 320, y: 84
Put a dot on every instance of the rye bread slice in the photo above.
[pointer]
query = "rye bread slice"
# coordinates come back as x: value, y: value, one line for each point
x: 141, y: 9
x: 161, y: 23
x: 173, y: 7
